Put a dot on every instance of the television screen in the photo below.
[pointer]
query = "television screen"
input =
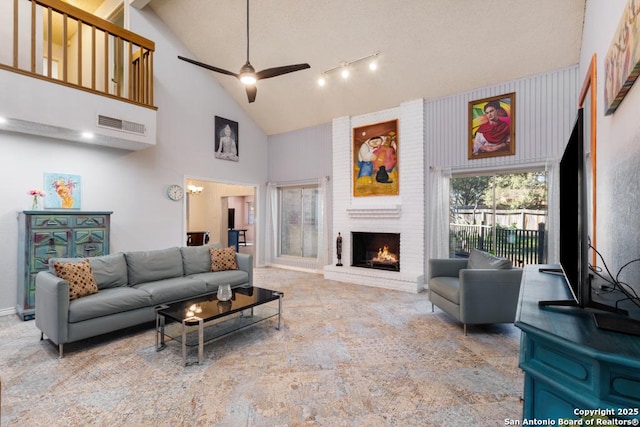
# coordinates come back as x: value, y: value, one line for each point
x: 231, y: 221
x: 574, y: 239
x: 574, y: 223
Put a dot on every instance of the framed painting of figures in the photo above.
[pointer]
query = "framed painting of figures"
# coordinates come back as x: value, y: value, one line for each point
x: 375, y: 160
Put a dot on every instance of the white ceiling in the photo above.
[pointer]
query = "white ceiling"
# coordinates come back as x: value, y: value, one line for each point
x: 429, y: 49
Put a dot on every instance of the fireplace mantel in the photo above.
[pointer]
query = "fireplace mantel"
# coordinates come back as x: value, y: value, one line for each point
x: 375, y: 212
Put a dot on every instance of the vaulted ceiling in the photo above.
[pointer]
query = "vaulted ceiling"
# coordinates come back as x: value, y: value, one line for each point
x: 428, y: 49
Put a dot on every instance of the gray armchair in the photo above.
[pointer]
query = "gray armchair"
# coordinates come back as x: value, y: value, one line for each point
x: 475, y: 295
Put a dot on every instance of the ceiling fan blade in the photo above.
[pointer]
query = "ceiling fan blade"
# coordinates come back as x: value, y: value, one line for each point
x: 252, y: 91
x: 208, y: 67
x: 278, y: 71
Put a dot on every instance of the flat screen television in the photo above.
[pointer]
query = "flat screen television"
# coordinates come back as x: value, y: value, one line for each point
x: 574, y: 236
x: 231, y: 220
x: 574, y: 221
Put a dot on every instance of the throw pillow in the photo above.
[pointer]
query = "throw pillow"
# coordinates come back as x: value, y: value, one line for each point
x: 223, y: 259
x: 80, y: 278
x: 481, y: 259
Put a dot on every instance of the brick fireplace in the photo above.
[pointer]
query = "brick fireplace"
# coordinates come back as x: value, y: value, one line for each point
x: 402, y: 216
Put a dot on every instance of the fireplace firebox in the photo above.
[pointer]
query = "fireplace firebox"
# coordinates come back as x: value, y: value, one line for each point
x: 375, y: 250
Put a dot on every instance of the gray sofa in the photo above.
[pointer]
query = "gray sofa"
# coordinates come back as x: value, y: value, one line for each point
x: 481, y: 289
x: 130, y: 287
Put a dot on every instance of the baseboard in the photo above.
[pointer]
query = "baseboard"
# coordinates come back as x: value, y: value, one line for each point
x: 7, y: 311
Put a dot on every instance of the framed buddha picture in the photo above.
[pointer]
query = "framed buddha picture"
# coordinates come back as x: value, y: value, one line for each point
x: 226, y: 139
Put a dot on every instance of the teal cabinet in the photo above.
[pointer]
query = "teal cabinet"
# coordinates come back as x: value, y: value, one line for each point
x: 45, y: 235
x: 570, y: 365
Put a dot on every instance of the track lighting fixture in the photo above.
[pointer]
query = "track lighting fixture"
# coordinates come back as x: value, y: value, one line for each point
x: 346, y: 67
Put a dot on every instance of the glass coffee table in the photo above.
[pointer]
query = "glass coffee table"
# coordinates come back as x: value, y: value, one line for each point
x: 198, y: 321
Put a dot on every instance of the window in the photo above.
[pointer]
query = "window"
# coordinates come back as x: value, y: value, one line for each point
x: 504, y: 214
x: 298, y: 221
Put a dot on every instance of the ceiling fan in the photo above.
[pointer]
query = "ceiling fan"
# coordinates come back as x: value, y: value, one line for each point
x: 247, y: 73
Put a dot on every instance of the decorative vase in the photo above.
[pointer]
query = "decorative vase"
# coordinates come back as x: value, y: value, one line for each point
x: 224, y: 292
x: 382, y: 175
x: 35, y: 203
x: 224, y: 306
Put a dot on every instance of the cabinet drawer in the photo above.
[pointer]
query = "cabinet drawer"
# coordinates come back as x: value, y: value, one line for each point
x: 50, y: 221
x: 621, y: 385
x: 48, y: 244
x: 91, y: 221
x: 90, y: 242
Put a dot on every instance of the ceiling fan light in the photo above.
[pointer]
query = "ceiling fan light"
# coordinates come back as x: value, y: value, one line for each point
x: 373, y: 65
x: 248, y: 74
x: 345, y: 73
x: 322, y: 81
x: 248, y: 78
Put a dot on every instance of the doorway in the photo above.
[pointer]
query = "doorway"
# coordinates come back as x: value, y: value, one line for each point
x: 207, y: 210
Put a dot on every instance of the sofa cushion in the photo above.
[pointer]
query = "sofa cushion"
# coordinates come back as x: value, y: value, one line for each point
x: 446, y: 287
x: 149, y: 266
x: 197, y: 259
x: 484, y: 260
x: 108, y: 270
x: 223, y: 259
x: 108, y: 301
x: 214, y: 279
x: 177, y: 288
x: 80, y: 278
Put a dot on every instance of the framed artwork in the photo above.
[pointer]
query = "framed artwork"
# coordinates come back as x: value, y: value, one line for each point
x: 226, y: 139
x: 622, y: 63
x: 492, y: 127
x: 375, y: 160
x: 63, y: 191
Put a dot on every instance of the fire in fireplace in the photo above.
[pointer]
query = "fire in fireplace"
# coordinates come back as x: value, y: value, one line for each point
x: 375, y: 250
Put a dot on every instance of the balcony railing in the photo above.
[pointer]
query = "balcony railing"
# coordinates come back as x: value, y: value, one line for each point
x: 522, y: 247
x: 57, y: 42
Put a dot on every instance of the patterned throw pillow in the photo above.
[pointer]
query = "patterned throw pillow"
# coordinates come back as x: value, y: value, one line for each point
x: 80, y: 278
x: 223, y: 259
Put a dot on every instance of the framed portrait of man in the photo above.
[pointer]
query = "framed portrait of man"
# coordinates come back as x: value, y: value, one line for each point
x: 492, y: 127
x: 226, y: 139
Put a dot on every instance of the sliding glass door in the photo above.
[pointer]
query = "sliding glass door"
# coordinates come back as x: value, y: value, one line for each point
x: 298, y: 221
x: 505, y: 214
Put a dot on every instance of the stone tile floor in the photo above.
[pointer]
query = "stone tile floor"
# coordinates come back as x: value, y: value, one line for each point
x: 347, y: 355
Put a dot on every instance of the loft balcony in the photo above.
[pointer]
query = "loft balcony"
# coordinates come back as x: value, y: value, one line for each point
x: 66, y: 74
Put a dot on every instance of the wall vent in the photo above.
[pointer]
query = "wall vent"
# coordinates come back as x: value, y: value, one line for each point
x: 121, y: 125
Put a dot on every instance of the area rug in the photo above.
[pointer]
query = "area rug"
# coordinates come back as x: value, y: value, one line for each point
x: 346, y: 355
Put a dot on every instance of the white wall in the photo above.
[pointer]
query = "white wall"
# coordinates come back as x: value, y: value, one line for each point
x: 618, y: 150
x: 301, y: 154
x: 133, y: 184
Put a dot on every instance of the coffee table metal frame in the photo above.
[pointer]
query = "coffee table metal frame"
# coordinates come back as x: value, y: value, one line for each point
x: 244, y: 309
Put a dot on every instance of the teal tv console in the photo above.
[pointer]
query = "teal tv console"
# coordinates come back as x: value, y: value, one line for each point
x: 573, y: 369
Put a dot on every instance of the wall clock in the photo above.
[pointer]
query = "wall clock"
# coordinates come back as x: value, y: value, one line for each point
x: 175, y: 192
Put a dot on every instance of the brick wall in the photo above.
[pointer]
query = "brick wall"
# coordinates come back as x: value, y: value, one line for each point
x: 404, y: 214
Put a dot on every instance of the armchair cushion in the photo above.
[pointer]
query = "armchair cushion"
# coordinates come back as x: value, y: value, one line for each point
x: 447, y: 287
x: 482, y: 260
